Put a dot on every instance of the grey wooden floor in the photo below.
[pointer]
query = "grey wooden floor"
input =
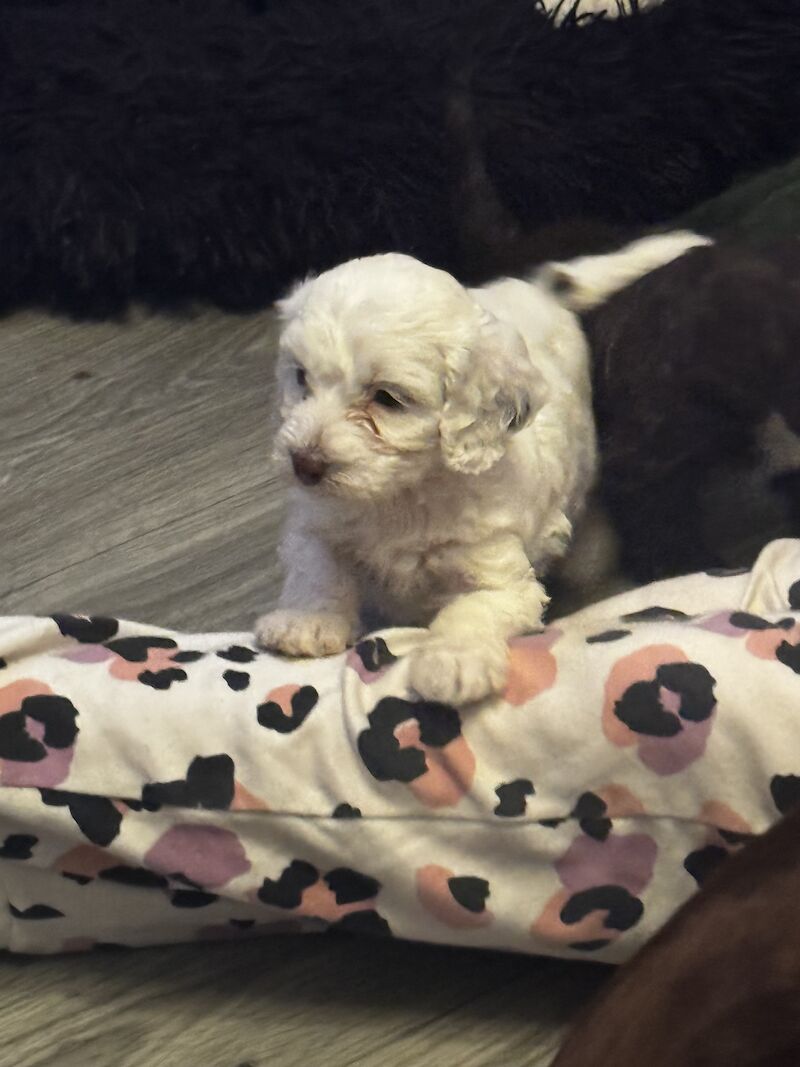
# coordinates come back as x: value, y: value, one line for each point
x: 135, y: 479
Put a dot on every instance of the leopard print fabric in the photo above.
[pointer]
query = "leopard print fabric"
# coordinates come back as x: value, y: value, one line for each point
x: 157, y: 787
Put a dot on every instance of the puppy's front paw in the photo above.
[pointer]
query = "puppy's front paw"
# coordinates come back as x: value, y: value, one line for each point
x: 458, y: 672
x: 300, y: 633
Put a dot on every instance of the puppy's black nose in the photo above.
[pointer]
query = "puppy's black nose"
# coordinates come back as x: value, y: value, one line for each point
x: 309, y: 467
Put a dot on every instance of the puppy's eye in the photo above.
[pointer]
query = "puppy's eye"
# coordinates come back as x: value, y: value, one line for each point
x: 301, y: 377
x: 385, y: 399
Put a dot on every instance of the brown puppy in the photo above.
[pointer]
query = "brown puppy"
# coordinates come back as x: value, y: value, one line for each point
x: 697, y: 398
x: 720, y: 984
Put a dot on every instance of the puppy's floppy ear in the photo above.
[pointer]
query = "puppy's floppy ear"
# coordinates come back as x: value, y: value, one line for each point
x: 292, y: 304
x: 492, y: 390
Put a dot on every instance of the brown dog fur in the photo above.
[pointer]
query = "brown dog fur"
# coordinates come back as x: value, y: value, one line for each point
x: 719, y: 986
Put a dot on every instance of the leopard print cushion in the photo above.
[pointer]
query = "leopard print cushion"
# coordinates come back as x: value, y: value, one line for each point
x: 160, y: 787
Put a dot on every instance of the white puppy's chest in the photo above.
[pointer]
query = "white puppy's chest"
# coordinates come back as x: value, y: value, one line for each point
x: 413, y: 554
x: 409, y: 558
x: 414, y: 584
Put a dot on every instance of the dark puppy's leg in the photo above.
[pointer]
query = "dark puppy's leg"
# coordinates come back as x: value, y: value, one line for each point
x: 720, y: 984
x: 660, y: 527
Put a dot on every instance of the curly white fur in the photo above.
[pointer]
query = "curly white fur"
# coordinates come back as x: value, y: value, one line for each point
x: 450, y: 436
x: 586, y: 282
x: 444, y: 508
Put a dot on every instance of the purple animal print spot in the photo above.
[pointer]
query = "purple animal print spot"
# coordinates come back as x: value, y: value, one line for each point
x: 665, y: 756
x: 87, y: 654
x: 720, y: 624
x: 207, y: 856
x: 618, y: 860
x: 46, y: 774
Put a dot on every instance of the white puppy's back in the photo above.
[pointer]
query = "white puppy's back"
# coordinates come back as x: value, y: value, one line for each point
x: 552, y: 461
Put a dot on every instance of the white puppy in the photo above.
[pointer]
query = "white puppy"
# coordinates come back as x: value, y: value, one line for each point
x: 443, y: 443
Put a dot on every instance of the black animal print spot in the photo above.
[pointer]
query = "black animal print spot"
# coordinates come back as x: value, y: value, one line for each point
x: 192, y: 898
x: 139, y: 877
x: 15, y: 741
x: 3, y: 663
x: 641, y: 710
x: 439, y: 724
x: 470, y: 892
x: 590, y: 811
x: 350, y: 887
x: 208, y: 784
x: 137, y: 649
x: 162, y: 679
x: 794, y: 596
x: 242, y: 924
x: 237, y: 680
x: 374, y: 654
x: 744, y: 620
x: 238, y: 654
x: 80, y: 879
x: 656, y: 614
x: 18, y: 847
x: 93, y: 630
x: 346, y: 811
x: 607, y: 635
x: 623, y: 910
x: 36, y: 911
x: 785, y: 792
x: 272, y: 716
x: 96, y: 817
x: 287, y: 891
x: 704, y: 861
x: 512, y: 797
x: 55, y: 713
x: 589, y: 806
x: 366, y: 922
x: 188, y: 656
x: 695, y: 686
x: 380, y: 750
x: 788, y: 655
x: 138, y: 805
x: 599, y: 829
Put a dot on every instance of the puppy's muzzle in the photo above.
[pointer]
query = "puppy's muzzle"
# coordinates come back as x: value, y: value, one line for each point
x: 309, y: 467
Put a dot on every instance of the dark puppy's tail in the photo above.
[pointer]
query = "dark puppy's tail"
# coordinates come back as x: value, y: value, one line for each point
x: 584, y: 283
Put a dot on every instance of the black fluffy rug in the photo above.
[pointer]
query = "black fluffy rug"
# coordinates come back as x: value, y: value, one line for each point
x: 216, y: 150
